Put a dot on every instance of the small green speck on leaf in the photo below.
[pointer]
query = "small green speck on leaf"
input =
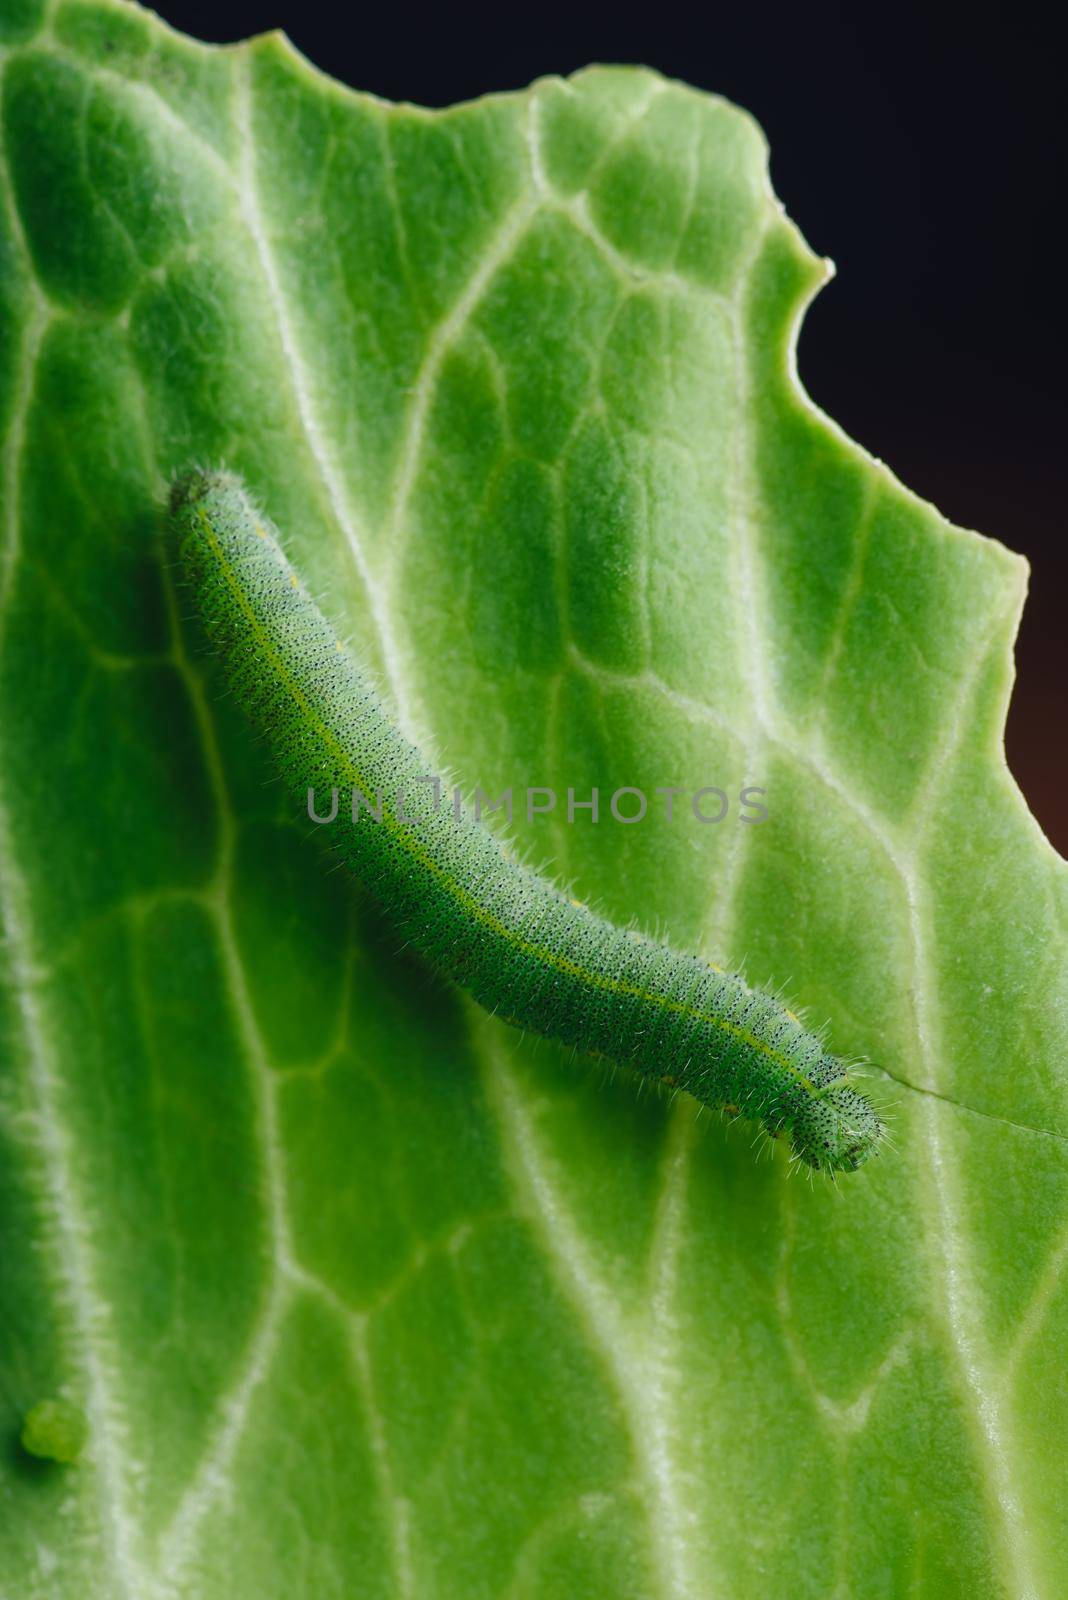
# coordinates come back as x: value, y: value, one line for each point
x: 54, y: 1430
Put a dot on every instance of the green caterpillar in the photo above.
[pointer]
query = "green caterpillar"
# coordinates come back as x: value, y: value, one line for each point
x: 521, y: 947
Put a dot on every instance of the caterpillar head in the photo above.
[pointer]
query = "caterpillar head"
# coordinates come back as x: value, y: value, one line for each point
x: 835, y: 1129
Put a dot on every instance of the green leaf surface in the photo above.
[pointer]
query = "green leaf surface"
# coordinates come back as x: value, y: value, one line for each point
x: 358, y: 1293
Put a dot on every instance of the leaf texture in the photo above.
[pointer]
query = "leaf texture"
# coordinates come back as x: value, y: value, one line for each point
x: 360, y: 1293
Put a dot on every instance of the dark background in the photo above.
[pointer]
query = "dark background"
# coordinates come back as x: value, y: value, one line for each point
x: 922, y: 150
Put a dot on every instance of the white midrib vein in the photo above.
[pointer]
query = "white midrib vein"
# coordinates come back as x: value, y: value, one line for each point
x: 953, y: 1274
x: 634, y: 1361
x: 346, y: 520
x: 111, y: 1454
x: 109, y: 1442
